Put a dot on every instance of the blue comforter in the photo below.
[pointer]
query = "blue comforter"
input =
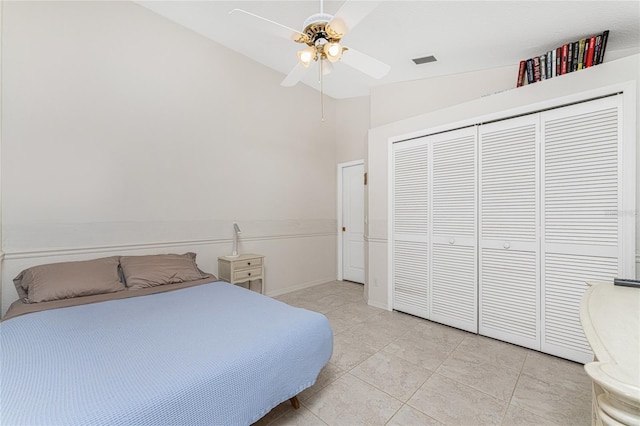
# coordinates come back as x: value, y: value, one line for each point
x: 214, y: 354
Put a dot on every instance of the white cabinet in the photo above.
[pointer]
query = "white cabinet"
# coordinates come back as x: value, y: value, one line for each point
x: 496, y: 227
x: 509, y: 242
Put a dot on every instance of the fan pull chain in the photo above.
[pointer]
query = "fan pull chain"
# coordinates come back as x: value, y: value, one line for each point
x: 321, y: 92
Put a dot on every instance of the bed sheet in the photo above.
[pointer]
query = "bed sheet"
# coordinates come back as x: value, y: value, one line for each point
x: 214, y: 354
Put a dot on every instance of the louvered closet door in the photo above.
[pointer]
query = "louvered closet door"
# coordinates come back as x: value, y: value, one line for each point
x: 509, y: 287
x: 454, y: 282
x: 410, y: 242
x: 581, y: 194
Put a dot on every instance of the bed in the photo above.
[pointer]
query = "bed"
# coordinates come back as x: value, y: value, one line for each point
x: 201, y: 352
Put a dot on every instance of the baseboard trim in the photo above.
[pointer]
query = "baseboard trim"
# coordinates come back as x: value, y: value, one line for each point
x: 379, y: 306
x: 297, y: 287
x: 142, y: 246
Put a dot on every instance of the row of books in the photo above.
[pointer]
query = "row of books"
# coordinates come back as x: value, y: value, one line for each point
x: 567, y: 58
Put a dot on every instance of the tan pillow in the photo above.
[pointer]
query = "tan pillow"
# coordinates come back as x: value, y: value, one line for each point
x: 160, y: 269
x: 65, y: 280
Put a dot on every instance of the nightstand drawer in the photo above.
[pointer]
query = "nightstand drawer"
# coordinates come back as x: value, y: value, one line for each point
x: 250, y: 263
x: 247, y: 274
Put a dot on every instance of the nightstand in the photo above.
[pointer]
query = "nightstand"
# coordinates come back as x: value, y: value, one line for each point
x: 241, y: 269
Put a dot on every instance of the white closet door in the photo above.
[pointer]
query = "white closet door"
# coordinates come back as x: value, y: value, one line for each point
x: 454, y: 282
x: 581, y: 223
x: 509, y: 300
x: 410, y: 237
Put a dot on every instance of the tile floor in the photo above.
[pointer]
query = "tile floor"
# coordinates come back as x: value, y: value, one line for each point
x: 389, y: 368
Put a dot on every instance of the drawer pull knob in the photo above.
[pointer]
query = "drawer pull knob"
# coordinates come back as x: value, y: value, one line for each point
x: 452, y: 241
x: 249, y: 263
x: 506, y: 245
x: 249, y: 274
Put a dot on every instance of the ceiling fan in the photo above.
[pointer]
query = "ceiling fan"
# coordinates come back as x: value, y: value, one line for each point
x: 322, y: 33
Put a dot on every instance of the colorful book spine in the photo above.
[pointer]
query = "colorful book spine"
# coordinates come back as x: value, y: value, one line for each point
x: 530, y: 78
x: 569, y: 57
x: 605, y: 38
x: 596, y: 52
x: 592, y: 48
x: 586, y: 53
x: 574, y: 59
x: 521, y: 73
x: 581, y: 54
x: 536, y: 68
x: 565, y: 54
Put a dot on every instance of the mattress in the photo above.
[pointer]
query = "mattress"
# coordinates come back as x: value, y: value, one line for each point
x: 213, y: 354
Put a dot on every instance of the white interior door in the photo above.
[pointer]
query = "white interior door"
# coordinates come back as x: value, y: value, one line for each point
x: 581, y: 220
x: 353, y: 223
x: 454, y: 280
x: 509, y: 299
x: 410, y: 221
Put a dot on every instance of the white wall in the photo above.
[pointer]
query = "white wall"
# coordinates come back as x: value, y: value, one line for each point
x: 125, y: 133
x: 394, y: 102
x: 352, y: 125
x: 593, y: 80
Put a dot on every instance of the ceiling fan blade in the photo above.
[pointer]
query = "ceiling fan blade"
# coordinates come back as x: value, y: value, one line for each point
x: 268, y: 26
x: 295, y: 75
x: 365, y: 63
x: 350, y: 14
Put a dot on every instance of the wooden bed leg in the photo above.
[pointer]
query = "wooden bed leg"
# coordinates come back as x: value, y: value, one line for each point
x: 295, y: 402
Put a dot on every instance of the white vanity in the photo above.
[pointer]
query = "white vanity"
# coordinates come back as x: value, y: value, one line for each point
x: 610, y: 317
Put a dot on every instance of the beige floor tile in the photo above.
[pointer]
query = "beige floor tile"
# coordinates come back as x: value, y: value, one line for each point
x: 373, y: 336
x: 349, y: 352
x: 299, y: 417
x: 553, y: 370
x: 327, y: 303
x: 438, y: 334
x: 395, y: 376
x: 453, y: 403
x: 349, y: 315
x: 408, y: 416
x: 327, y: 375
x: 486, y: 377
x: 558, y: 403
x: 419, y: 351
x: 549, y: 391
x: 518, y: 417
x: 356, y: 312
x: 393, y: 321
x: 493, y: 351
x: 349, y: 401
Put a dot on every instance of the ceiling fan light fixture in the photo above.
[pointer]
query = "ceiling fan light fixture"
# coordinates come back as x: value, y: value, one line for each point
x: 333, y: 51
x: 307, y: 55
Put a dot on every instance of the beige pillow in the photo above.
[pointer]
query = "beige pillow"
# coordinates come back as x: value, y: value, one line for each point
x: 65, y: 280
x: 160, y: 269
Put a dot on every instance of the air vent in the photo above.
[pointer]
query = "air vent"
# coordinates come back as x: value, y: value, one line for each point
x: 424, y: 60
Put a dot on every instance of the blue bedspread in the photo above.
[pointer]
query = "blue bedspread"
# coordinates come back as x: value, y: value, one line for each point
x: 214, y: 354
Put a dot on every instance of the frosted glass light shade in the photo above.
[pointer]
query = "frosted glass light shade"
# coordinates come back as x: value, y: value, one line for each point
x: 307, y: 55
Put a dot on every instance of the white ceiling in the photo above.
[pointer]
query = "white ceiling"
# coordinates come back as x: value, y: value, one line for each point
x: 463, y: 35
